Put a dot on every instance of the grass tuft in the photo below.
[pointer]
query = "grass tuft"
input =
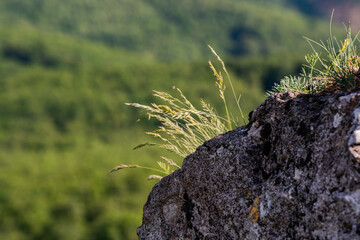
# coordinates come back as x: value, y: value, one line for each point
x: 332, y: 66
x: 183, y: 127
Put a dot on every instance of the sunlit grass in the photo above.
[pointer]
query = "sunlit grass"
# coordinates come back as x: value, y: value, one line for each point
x: 332, y: 66
x: 183, y: 127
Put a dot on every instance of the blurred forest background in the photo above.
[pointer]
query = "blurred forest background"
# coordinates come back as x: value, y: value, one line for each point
x: 67, y: 68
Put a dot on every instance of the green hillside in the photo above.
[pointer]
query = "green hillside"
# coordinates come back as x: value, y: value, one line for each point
x: 54, y: 78
x: 169, y: 30
x: 63, y: 125
x: 68, y: 67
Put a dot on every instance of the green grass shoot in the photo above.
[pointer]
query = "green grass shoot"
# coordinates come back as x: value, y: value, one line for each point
x: 332, y: 66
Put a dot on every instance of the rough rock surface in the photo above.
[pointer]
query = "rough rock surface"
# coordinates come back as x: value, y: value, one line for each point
x: 292, y: 173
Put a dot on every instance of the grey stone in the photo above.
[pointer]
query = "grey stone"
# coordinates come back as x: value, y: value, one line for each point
x: 292, y: 173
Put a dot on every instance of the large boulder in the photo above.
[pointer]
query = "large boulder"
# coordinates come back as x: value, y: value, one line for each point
x: 292, y: 173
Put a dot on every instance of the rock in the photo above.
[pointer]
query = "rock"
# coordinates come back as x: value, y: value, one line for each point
x: 292, y: 173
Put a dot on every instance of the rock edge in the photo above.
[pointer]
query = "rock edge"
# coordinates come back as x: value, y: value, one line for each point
x: 292, y: 173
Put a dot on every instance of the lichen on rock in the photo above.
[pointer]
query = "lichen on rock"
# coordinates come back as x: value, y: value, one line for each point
x: 293, y: 172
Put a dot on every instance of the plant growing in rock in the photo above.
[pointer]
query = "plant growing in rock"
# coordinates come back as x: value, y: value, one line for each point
x: 183, y: 127
x: 338, y: 70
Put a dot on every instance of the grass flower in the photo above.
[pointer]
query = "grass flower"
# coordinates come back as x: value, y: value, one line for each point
x: 183, y: 127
